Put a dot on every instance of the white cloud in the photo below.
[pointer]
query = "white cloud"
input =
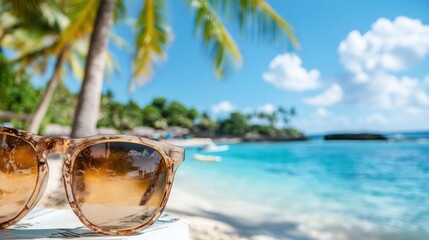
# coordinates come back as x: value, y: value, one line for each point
x: 422, y: 98
x: 267, y: 108
x: 410, y: 119
x: 376, y: 83
x: 389, y: 46
x: 223, y: 107
x: 331, y: 96
x: 374, y: 119
x: 415, y: 111
x: 426, y: 80
x: 322, y: 112
x: 286, y: 72
x: 374, y: 60
x: 247, y: 110
x: 387, y: 91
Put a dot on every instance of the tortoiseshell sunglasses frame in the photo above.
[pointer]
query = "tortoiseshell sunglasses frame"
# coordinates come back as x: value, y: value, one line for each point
x: 172, y: 156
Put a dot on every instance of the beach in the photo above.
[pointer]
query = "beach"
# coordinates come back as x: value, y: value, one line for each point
x: 311, y: 190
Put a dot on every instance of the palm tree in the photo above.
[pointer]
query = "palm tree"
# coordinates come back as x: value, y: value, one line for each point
x: 286, y: 114
x: 154, y: 35
x: 27, y: 31
x: 65, y: 34
x: 26, y: 25
x: 89, y: 98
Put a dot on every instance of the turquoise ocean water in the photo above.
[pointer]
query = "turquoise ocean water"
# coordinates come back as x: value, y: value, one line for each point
x: 315, y: 189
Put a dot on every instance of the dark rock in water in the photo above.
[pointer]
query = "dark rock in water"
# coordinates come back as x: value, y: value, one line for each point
x: 355, y: 136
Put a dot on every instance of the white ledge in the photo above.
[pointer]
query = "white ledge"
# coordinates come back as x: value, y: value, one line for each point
x: 49, y: 223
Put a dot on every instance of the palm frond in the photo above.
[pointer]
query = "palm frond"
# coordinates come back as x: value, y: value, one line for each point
x: 224, y: 51
x: 153, y: 36
x: 82, y: 15
x: 112, y: 66
x: 34, y: 57
x: 41, y: 16
x: 75, y: 58
x: 36, y: 26
x: 257, y: 18
x: 120, y: 10
x: 80, y: 48
x: 75, y: 64
x: 119, y: 42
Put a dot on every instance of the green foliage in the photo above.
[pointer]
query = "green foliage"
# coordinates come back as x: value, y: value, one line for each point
x: 62, y: 111
x: 264, y: 130
x: 42, y: 29
x: 192, y: 114
x: 256, y: 17
x: 159, y: 102
x: 22, y: 97
x: 153, y: 36
x: 159, y: 114
x: 65, y: 22
x: 286, y: 114
x: 71, y: 23
x: 291, y: 132
x: 118, y: 116
x: 178, y: 115
x: 152, y: 116
x: 16, y: 96
x: 235, y: 125
x: 175, y: 108
x: 134, y: 113
x: 224, y: 51
x: 42, y: 16
x: 180, y: 120
x: 207, y: 124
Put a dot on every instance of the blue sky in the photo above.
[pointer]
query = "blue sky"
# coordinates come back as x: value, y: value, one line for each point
x: 381, y: 86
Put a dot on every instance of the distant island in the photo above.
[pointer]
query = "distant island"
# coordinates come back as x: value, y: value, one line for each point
x: 355, y: 136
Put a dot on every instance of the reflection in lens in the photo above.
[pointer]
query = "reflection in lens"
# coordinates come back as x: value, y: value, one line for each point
x: 118, y: 185
x: 18, y: 175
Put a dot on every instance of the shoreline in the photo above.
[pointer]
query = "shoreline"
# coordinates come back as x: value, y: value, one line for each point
x: 202, y: 142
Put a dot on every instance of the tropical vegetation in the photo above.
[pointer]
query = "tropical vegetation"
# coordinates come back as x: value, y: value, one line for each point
x: 42, y: 30
x: 22, y: 97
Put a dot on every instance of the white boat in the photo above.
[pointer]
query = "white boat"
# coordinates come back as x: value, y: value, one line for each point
x: 216, y: 148
x: 206, y: 158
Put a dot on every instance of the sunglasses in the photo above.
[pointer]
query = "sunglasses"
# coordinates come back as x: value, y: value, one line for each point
x: 115, y: 184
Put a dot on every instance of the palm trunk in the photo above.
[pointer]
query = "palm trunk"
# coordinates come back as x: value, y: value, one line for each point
x: 37, y: 118
x: 88, y: 107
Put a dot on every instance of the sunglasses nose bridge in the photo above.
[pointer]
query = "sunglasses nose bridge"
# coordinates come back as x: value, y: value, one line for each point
x: 55, y: 145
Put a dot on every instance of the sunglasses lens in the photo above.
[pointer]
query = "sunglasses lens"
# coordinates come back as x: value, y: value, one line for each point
x: 18, y: 175
x: 118, y: 185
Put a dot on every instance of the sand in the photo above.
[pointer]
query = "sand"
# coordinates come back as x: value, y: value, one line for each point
x: 202, y: 228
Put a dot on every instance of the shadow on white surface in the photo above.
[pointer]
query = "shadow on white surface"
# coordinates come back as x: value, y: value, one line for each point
x: 49, y: 223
